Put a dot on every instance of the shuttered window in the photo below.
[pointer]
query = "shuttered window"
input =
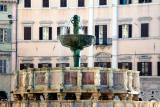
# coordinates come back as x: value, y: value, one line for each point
x: 145, y: 1
x: 101, y: 34
x: 81, y: 3
x: 5, y: 35
x: 102, y: 2
x: 123, y: 2
x: 45, y: 33
x: 102, y: 64
x: 125, y: 65
x: 125, y: 31
x: 44, y: 65
x: 62, y: 31
x: 26, y: 65
x: 27, y: 33
x: 45, y: 3
x: 3, y: 8
x: 27, y: 3
x: 145, y: 68
x: 144, y: 30
x: 3, y: 66
x: 63, y: 3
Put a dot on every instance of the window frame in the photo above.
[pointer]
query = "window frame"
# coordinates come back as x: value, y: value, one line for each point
x: 28, y: 25
x: 7, y: 64
x: 48, y: 4
x: 144, y: 2
x: 3, y: 9
x: 49, y: 36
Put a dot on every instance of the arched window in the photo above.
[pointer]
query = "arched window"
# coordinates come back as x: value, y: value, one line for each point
x: 3, y: 96
x: 153, y: 100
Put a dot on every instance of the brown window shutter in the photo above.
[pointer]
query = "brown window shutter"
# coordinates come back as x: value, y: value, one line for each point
x: 50, y: 33
x: 130, y: 65
x: 120, y: 31
x: 102, y: 2
x: 40, y: 33
x: 68, y: 30
x: 27, y: 33
x: 149, y: 68
x: 121, y: 1
x: 120, y: 65
x: 139, y: 66
x: 130, y: 1
x: 27, y: 3
x: 130, y: 31
x: 158, y: 68
x: 97, y: 34
x: 63, y: 3
x: 58, y: 31
x: 105, y: 34
x: 108, y: 64
x: 144, y: 29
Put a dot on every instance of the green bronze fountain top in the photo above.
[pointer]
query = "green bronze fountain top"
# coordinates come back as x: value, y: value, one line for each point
x: 75, y: 21
x: 76, y: 42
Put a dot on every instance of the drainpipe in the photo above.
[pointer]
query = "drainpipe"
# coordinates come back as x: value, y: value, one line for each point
x: 16, y: 32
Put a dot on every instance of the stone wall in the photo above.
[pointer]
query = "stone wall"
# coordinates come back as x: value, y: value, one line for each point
x: 80, y: 104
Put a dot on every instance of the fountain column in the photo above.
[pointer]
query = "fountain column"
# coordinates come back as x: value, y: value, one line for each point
x: 91, y: 26
x: 115, y: 35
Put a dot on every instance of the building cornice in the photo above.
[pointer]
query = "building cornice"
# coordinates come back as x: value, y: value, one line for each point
x: 144, y: 18
x: 27, y: 22
x: 9, y: 1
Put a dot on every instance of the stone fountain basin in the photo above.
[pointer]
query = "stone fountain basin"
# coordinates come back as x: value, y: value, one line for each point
x: 76, y: 41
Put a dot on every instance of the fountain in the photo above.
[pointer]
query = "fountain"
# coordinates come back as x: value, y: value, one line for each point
x: 76, y: 42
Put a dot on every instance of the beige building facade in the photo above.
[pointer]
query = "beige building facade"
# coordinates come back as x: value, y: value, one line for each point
x: 127, y: 36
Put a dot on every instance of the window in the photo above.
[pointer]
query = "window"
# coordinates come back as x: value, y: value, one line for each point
x: 26, y: 66
x: 158, y: 68
x: 5, y: 35
x: 27, y: 3
x: 102, y: 2
x: 45, y: 33
x: 125, y: 31
x: 3, y: 96
x: 63, y: 30
x: 84, y: 65
x: 44, y: 65
x: 27, y: 33
x: 81, y: 3
x: 101, y: 34
x: 3, y: 66
x: 62, y: 64
x: 145, y: 68
x: 125, y: 65
x: 83, y: 30
x: 102, y: 64
x: 123, y: 2
x: 3, y: 8
x: 145, y: 1
x: 63, y: 3
x: 45, y: 3
x: 144, y: 30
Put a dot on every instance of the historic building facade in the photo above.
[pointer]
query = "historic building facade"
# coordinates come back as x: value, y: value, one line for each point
x: 7, y: 47
x: 127, y: 36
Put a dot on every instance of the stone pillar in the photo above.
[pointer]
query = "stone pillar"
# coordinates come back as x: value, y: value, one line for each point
x: 62, y: 79
x: 16, y: 97
x: 24, y: 80
x: 46, y: 96
x: 110, y: 79
x: 47, y: 80
x: 91, y: 30
x: 78, y: 96
x: 31, y: 96
x: 61, y: 96
x: 79, y: 79
x: 122, y: 96
x: 16, y: 76
x: 125, y: 79
x: 137, y: 83
x: 115, y: 35
x: 96, y: 96
x: 31, y: 78
x: 130, y: 80
x: 97, y: 79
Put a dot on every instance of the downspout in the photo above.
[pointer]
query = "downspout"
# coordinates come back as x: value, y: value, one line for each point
x: 16, y: 32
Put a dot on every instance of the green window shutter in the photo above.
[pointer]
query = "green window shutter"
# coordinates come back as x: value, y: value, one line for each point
x: 9, y: 35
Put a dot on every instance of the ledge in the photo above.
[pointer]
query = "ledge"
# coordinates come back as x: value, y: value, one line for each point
x: 27, y: 22
x: 46, y: 22
x: 144, y: 18
x: 102, y: 19
x: 125, y: 19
